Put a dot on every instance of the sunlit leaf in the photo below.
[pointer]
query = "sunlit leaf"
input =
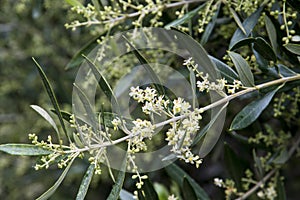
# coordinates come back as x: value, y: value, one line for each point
x: 51, y: 190
x: 51, y: 96
x: 24, y: 150
x: 185, y: 17
x: 294, y: 48
x: 178, y: 175
x: 242, y: 68
x: 84, y: 186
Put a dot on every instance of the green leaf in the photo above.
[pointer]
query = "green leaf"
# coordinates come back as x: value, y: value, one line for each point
x: 294, y: 48
x: 264, y: 49
x: 87, y: 106
x: 237, y: 20
x: 242, y: 42
x: 65, y: 115
x: 162, y: 191
x: 252, y: 111
x: 198, y: 53
x: 74, y: 3
x: 148, y: 193
x: 51, y: 96
x: 258, y: 165
x: 104, y: 85
x: 248, y: 25
x: 242, y: 68
x: 51, y: 190
x: 203, y: 131
x: 285, y: 71
x: 235, y: 165
x: 24, y: 150
x: 271, y: 33
x: 115, y: 192
x: 282, y: 157
x: 77, y: 59
x: 84, y: 186
x: 188, y: 190
x: 177, y: 174
x: 77, y: 141
x: 125, y: 195
x: 185, y: 17
x: 193, y: 87
x: 46, y: 116
x: 280, y: 190
x: 227, y: 72
x: 157, y: 83
x: 210, y: 26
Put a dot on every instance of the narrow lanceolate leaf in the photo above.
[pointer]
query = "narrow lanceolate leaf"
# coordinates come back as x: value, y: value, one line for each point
x: 51, y: 96
x: 74, y: 3
x: 294, y: 48
x: 264, y: 49
x: 237, y: 20
x: 178, y: 176
x: 205, y: 129
x: 115, y: 192
x: 24, y: 150
x: 46, y: 116
x: 271, y: 33
x: 147, y: 192
x: 157, y: 83
x: 185, y: 17
x: 280, y: 190
x: 66, y: 115
x: 193, y: 87
x: 242, y: 68
x: 125, y: 195
x: 252, y: 111
x: 104, y: 85
x: 51, y: 190
x: 210, y: 26
x: 87, y: 106
x: 84, y: 186
x: 188, y: 190
x: 242, y: 42
x: 248, y: 25
x: 226, y: 72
